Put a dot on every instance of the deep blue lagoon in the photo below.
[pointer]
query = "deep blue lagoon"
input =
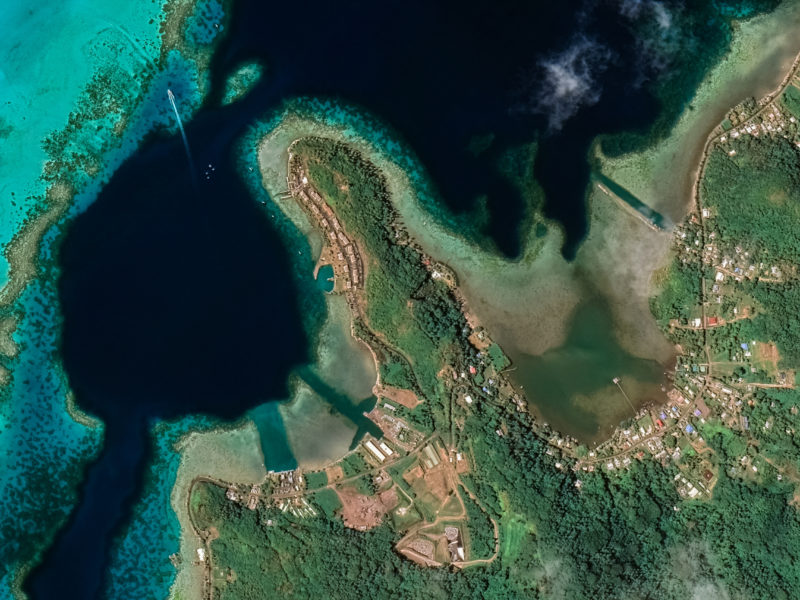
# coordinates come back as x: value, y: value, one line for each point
x: 178, y: 297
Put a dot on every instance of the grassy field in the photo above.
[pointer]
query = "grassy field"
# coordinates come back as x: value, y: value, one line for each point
x: 452, y: 508
x: 515, y: 533
x: 328, y: 501
x: 316, y: 479
x: 404, y: 515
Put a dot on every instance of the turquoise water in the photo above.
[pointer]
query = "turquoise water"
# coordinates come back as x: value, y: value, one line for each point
x: 50, y: 51
x: 274, y: 443
x: 58, y: 447
x: 325, y: 278
x: 242, y: 81
x: 140, y: 566
x: 314, y: 311
x: 42, y: 449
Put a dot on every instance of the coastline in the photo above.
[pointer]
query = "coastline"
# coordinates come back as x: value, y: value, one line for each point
x: 344, y: 361
x: 512, y: 298
x: 762, y: 50
x: 541, y: 260
x: 77, y: 161
x: 747, y: 70
x: 715, y: 134
x: 229, y: 453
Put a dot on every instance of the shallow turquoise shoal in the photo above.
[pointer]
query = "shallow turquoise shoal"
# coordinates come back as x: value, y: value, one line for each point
x: 49, y: 50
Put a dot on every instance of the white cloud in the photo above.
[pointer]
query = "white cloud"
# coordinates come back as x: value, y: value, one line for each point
x: 569, y: 80
x: 634, y: 9
x: 662, y: 15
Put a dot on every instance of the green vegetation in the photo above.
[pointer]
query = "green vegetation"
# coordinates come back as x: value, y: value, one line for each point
x: 498, y: 358
x: 515, y: 533
x: 328, y: 501
x: 353, y: 464
x: 754, y: 197
x: 750, y: 187
x: 365, y: 485
x: 772, y: 413
x: 316, y: 479
x: 320, y: 558
x: 755, y: 193
x: 398, y: 373
x: 776, y: 320
x: 678, y: 297
x: 618, y: 537
x: 791, y: 100
x: 417, y: 316
x: 452, y: 507
x: 563, y: 534
x: 404, y: 520
x: 481, y: 531
x: 702, y: 35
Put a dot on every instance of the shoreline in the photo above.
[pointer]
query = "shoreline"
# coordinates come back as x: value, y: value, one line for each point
x: 715, y: 135
x: 315, y: 127
x: 232, y: 453
x: 534, y: 275
x: 760, y: 54
x: 514, y: 298
x: 574, y: 285
x: 345, y: 361
x: 70, y: 179
x: 65, y: 184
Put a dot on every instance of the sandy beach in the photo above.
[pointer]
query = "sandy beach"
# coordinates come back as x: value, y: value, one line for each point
x: 232, y: 455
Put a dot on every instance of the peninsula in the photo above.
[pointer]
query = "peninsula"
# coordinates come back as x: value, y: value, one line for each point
x: 462, y: 473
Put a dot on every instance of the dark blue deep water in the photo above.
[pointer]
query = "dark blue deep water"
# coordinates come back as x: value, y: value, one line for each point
x: 178, y: 297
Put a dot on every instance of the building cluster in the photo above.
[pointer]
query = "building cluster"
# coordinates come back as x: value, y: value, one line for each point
x: 379, y: 450
x: 288, y: 483
x: 395, y: 429
x: 297, y: 506
x: 690, y: 490
x: 731, y: 261
x: 248, y: 498
x: 757, y: 120
x: 346, y: 259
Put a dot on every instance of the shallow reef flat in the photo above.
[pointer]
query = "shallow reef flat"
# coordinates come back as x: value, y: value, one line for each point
x: 617, y: 261
x: 242, y: 81
x: 527, y: 304
x: 71, y: 120
x: 762, y: 50
x: 485, y: 277
x: 345, y: 362
x: 317, y: 435
x: 231, y: 454
x: 50, y: 53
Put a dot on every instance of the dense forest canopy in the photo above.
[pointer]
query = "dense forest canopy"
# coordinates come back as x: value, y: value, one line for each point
x: 623, y: 535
